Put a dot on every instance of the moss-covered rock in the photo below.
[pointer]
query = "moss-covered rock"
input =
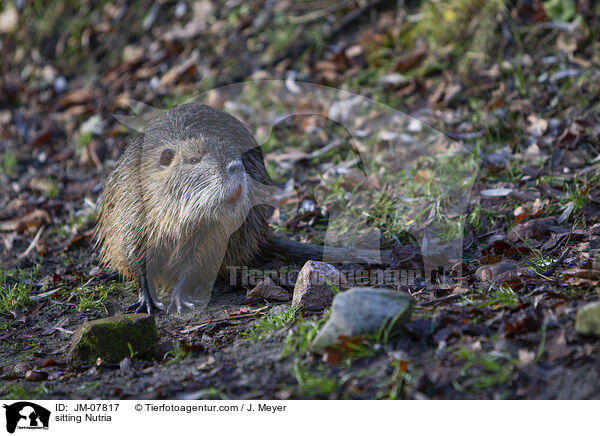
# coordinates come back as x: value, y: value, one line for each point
x: 113, y: 339
x: 587, y: 321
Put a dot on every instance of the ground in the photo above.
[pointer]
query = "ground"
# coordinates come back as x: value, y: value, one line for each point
x: 516, y: 84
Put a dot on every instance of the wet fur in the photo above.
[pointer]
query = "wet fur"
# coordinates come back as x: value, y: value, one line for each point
x: 171, y: 221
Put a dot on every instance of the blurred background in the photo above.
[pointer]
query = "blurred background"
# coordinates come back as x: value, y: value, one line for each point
x: 488, y: 72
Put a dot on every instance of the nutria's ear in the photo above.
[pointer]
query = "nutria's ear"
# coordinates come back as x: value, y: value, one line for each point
x: 166, y: 157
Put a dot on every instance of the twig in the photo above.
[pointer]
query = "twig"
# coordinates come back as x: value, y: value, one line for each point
x: 441, y: 299
x: 43, y: 295
x: 214, y: 320
x: 552, y: 267
x: 33, y: 243
x: 318, y: 14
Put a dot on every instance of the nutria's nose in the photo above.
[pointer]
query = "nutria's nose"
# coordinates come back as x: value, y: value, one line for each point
x: 235, y: 167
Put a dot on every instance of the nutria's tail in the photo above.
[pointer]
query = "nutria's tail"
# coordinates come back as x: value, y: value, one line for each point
x: 299, y: 252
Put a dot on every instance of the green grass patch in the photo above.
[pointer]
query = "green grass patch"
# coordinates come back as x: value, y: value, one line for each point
x: 25, y: 348
x: 483, y: 370
x: 502, y: 295
x: 15, y: 391
x: 313, y: 383
x: 92, y: 298
x: 15, y: 288
x: 179, y: 352
x: 270, y: 323
x: 9, y: 161
x: 299, y: 338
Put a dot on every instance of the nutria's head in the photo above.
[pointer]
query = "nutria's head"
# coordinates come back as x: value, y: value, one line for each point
x: 199, y: 166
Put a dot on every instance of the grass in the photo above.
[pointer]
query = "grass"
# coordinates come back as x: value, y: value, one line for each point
x: 9, y: 161
x: 25, y: 348
x: 179, y: 352
x: 474, y: 218
x: 270, y: 322
x: 576, y: 194
x: 483, y: 370
x: 15, y: 288
x: 313, y: 383
x: 6, y: 325
x: 396, y: 382
x: 92, y: 298
x: 299, y: 338
x: 502, y: 295
x: 16, y: 391
x: 462, y: 30
x: 53, y: 189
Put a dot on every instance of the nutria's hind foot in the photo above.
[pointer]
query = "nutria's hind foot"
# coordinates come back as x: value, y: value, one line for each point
x: 146, y: 305
x: 181, y: 303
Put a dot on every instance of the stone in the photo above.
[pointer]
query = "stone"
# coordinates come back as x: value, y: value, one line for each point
x: 315, y: 286
x: 113, y: 339
x: 363, y: 311
x: 587, y: 321
x: 488, y: 273
x: 35, y: 375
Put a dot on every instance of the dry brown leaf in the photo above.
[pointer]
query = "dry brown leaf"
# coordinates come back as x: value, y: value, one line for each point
x: 269, y: 291
x: 30, y: 220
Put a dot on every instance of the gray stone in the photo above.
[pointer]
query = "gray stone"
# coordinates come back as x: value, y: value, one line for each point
x: 114, y: 339
x: 362, y: 311
x: 315, y: 286
x: 587, y: 321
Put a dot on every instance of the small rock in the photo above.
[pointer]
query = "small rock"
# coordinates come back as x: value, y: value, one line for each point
x: 362, y: 311
x: 133, y: 54
x: 487, y: 273
x: 314, y: 289
x: 180, y: 9
x: 393, y: 79
x: 536, y: 228
x: 125, y: 365
x: 269, y: 291
x: 587, y: 321
x: 9, y: 20
x: 113, y: 339
x: 35, y: 375
x: 21, y: 367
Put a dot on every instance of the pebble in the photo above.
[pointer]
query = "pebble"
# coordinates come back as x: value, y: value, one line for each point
x: 587, y: 321
x: 60, y: 85
x: 35, y: 375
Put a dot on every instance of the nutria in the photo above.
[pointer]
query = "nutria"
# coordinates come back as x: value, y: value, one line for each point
x: 187, y: 196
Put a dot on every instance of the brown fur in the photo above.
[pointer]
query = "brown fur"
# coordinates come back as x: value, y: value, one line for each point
x: 168, y: 221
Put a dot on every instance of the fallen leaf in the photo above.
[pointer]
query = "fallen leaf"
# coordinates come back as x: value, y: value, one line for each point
x: 268, y: 290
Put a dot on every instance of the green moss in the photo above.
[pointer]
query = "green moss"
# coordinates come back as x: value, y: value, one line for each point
x: 114, y: 338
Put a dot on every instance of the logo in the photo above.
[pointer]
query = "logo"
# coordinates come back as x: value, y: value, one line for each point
x: 26, y: 415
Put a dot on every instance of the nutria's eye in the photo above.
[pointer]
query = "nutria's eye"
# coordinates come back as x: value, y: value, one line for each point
x: 166, y: 157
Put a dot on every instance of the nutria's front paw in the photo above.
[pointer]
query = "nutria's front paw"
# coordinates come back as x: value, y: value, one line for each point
x: 146, y: 305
